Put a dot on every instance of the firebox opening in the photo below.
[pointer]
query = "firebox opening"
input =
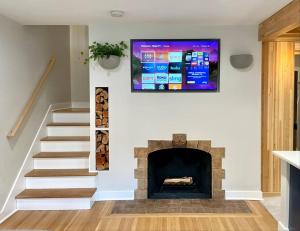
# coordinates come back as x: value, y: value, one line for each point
x: 179, y: 173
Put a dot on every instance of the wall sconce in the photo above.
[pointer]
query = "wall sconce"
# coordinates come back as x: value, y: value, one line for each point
x: 241, y: 61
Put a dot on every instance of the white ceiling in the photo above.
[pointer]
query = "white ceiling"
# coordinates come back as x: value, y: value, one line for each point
x: 200, y: 12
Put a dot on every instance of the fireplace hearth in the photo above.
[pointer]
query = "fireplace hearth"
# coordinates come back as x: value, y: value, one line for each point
x: 179, y: 168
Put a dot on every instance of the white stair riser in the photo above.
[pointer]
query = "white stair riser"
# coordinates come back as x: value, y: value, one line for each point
x: 68, y: 131
x: 71, y: 117
x: 54, y: 204
x: 60, y: 182
x: 65, y: 146
x: 61, y: 163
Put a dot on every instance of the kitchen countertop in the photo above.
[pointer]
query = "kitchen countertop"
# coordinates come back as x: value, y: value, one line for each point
x: 292, y: 157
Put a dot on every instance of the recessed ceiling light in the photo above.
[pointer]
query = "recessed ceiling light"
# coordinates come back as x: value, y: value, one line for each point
x: 117, y: 13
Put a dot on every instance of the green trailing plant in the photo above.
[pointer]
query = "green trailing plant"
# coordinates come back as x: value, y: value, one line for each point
x: 105, y: 50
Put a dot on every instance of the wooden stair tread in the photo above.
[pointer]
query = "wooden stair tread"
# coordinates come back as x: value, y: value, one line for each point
x: 66, y: 138
x: 59, y: 172
x: 62, y: 155
x: 72, y: 110
x: 67, y: 124
x: 57, y: 193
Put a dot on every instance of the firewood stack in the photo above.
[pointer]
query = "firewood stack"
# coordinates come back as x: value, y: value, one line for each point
x: 102, y: 150
x: 102, y: 136
x: 102, y: 107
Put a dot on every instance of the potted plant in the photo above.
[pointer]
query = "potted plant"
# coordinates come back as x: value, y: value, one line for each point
x: 107, y: 54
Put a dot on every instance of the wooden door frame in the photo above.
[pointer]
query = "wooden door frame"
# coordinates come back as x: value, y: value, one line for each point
x: 277, y: 33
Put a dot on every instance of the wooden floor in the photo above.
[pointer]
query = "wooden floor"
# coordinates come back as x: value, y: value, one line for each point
x: 100, y: 218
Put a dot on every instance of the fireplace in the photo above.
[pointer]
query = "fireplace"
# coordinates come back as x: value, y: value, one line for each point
x: 179, y: 168
x: 179, y: 173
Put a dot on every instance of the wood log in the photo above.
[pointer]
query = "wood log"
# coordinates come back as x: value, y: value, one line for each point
x: 105, y: 122
x: 98, y: 122
x: 105, y: 94
x: 97, y: 98
x: 98, y: 90
x: 105, y: 114
x: 105, y: 106
x: 102, y: 148
x: 178, y: 181
x: 105, y: 139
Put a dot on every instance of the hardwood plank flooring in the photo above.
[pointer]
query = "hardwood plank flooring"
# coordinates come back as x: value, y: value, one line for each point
x: 100, y: 218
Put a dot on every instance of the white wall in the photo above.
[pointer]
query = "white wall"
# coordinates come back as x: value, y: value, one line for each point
x: 25, y: 52
x: 79, y: 41
x: 230, y: 118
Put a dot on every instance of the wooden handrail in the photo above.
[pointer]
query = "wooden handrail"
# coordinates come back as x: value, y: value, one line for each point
x: 31, y: 100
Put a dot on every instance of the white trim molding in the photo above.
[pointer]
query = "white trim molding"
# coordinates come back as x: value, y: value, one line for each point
x: 114, y: 195
x: 243, y: 195
x: 281, y: 227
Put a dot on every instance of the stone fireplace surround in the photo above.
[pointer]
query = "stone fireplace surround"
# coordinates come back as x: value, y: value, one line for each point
x: 178, y: 141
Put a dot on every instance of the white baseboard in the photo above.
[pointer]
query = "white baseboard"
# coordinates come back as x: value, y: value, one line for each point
x: 281, y: 227
x: 7, y: 216
x: 114, y: 195
x: 10, y: 205
x: 243, y: 195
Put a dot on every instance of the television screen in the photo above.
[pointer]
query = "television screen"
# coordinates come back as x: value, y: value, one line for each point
x: 175, y: 65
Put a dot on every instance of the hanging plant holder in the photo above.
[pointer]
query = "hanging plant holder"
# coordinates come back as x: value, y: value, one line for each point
x: 109, y: 63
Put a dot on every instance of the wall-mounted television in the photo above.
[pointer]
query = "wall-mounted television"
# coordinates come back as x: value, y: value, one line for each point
x: 175, y: 65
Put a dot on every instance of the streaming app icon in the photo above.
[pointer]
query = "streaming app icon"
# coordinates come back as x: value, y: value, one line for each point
x: 175, y: 67
x: 175, y: 78
x: 147, y: 78
x: 175, y: 57
x: 175, y: 86
x: 161, y: 67
x: 188, y: 57
x: 161, y: 78
x: 147, y: 56
x: 194, y: 54
x: 161, y: 86
x: 148, y: 86
x: 161, y: 57
x: 148, y: 68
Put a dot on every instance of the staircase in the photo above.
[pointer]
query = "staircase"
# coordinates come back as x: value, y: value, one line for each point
x: 61, y: 179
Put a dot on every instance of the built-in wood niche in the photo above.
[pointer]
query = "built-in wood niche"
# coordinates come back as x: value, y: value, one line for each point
x: 102, y: 128
x: 179, y: 140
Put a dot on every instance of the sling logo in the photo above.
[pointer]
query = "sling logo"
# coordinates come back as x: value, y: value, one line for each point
x: 175, y: 78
